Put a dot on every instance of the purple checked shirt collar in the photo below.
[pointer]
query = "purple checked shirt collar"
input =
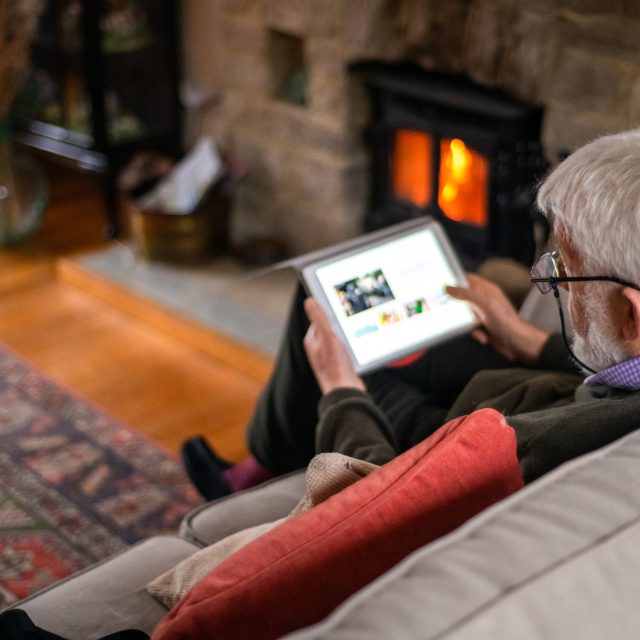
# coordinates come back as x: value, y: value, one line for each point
x: 625, y: 375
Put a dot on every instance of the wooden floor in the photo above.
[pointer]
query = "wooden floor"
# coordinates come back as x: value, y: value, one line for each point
x: 163, y: 386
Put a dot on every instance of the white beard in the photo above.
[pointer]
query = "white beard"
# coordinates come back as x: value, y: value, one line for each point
x: 599, y: 353
x: 599, y: 348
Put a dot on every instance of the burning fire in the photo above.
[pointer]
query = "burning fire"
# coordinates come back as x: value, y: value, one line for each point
x: 462, y: 191
x: 411, y: 167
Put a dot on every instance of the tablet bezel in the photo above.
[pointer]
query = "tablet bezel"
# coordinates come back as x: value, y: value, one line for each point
x: 314, y: 287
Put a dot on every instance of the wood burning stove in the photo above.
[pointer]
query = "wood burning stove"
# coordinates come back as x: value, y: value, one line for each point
x: 469, y: 156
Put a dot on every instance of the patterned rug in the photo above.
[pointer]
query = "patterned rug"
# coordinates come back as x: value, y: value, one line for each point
x: 75, y: 485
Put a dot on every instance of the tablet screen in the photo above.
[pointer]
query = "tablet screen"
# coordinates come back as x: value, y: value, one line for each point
x: 388, y: 300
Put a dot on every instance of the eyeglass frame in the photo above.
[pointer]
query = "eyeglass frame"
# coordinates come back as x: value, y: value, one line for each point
x: 553, y: 282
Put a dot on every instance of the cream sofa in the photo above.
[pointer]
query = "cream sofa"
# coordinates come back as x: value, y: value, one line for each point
x: 558, y: 559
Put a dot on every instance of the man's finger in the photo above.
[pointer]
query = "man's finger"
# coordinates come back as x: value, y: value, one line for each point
x: 475, y: 292
x: 480, y: 335
x: 460, y: 293
x: 464, y: 293
x: 316, y: 315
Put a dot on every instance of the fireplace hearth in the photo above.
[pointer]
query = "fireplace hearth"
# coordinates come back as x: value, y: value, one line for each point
x: 467, y: 155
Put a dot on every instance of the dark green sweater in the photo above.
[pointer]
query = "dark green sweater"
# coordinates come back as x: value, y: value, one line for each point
x: 554, y: 415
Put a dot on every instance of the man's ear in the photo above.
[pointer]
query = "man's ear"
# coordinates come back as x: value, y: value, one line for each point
x: 631, y: 321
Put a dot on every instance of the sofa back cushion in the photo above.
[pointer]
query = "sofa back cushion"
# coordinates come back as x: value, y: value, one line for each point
x: 299, y: 572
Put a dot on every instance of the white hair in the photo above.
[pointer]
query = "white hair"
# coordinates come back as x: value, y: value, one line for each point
x: 595, y: 196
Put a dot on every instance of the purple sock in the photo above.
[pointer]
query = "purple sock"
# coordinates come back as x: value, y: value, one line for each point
x: 245, y: 474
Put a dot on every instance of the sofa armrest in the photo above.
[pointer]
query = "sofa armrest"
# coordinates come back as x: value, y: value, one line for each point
x: 266, y: 502
x: 108, y: 596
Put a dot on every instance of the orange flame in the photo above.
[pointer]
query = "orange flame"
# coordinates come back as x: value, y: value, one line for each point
x: 411, y: 167
x: 462, y: 193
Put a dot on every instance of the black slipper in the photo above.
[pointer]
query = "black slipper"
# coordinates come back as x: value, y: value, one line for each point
x: 204, y: 468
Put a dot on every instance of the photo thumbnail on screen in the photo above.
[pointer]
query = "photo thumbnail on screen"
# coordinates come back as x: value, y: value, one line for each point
x: 416, y: 307
x: 365, y: 292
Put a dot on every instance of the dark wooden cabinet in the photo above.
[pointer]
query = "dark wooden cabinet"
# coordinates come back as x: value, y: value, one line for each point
x: 103, y: 85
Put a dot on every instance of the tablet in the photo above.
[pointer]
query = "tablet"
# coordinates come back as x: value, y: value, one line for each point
x: 385, y: 296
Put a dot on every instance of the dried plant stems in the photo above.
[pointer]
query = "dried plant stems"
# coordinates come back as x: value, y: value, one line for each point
x: 18, y: 21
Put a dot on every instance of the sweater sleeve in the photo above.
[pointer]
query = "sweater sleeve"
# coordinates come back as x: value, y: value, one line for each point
x: 554, y: 356
x: 350, y: 423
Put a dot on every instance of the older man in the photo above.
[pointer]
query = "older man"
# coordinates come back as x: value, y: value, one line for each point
x: 315, y: 402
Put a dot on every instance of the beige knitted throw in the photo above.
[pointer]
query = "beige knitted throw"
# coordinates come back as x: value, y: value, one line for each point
x: 327, y: 474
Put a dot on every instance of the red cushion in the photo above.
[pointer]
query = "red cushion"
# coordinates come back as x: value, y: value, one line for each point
x: 297, y: 573
x: 407, y: 360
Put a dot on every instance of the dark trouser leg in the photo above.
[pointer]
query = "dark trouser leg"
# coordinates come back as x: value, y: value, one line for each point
x: 281, y: 433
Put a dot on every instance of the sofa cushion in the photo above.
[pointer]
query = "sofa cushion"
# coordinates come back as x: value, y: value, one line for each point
x: 560, y: 559
x: 108, y: 596
x: 298, y: 572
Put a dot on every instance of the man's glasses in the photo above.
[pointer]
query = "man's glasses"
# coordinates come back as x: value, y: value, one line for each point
x: 549, y: 271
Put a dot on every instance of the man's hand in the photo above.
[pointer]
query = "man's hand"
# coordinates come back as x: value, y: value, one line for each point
x: 502, y: 327
x: 327, y: 355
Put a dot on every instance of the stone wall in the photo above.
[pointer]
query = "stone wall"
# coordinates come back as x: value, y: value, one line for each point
x: 308, y: 180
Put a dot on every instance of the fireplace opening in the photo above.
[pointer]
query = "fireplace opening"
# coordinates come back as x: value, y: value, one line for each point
x: 467, y: 155
x: 462, y: 178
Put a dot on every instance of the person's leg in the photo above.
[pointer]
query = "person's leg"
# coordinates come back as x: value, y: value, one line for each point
x: 281, y: 432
